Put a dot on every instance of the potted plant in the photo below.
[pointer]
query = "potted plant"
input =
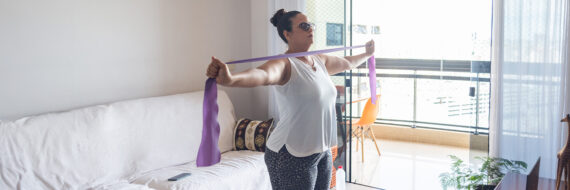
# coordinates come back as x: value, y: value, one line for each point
x: 487, y: 177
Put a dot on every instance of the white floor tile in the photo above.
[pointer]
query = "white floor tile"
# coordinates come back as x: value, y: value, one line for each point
x: 405, y: 165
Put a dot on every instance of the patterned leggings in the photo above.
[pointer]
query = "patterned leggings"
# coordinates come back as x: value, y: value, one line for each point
x: 304, y: 173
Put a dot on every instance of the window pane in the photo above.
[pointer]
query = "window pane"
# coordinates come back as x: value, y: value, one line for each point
x: 441, y: 44
x: 445, y: 102
x: 420, y: 29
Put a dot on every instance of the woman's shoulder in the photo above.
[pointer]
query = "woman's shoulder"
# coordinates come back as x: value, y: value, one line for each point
x: 276, y: 63
x: 279, y: 67
x: 321, y: 57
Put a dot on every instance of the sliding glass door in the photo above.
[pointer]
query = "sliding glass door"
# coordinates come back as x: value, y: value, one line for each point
x: 433, y: 78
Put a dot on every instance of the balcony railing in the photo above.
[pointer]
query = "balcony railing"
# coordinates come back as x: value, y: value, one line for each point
x: 459, y: 110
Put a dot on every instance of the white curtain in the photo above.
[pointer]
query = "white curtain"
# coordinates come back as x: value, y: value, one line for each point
x: 276, y: 44
x: 529, y: 80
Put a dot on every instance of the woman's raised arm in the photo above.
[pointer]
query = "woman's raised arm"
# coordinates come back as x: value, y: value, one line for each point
x: 272, y: 72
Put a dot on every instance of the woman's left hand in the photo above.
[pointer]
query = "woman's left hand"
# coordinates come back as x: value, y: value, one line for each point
x: 370, y: 48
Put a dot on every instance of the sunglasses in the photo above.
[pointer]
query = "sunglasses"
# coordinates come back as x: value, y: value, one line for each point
x: 306, y: 26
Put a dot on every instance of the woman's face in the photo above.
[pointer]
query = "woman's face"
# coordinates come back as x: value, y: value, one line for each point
x: 301, y: 31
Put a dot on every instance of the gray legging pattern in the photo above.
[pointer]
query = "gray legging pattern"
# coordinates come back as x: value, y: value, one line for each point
x: 304, y: 173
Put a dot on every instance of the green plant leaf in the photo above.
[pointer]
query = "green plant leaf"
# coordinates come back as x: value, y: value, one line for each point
x: 490, y: 172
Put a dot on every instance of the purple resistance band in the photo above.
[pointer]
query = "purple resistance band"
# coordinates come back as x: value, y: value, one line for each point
x: 209, y: 153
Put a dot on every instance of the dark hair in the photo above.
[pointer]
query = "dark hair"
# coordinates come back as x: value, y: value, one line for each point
x: 282, y: 20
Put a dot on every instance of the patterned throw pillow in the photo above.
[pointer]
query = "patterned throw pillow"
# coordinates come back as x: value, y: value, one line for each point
x: 252, y: 135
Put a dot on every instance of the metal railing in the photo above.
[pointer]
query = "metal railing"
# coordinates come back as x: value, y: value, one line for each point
x: 448, y: 66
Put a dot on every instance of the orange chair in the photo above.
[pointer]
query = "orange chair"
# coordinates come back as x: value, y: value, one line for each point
x: 361, y: 127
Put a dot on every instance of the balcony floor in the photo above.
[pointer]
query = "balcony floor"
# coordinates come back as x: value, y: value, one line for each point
x: 405, y: 165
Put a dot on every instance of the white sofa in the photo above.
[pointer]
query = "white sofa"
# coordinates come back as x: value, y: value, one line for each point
x: 136, y: 144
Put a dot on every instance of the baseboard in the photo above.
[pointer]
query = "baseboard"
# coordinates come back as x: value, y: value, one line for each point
x: 431, y: 136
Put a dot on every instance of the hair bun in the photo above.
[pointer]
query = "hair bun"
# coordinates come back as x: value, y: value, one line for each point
x: 277, y: 17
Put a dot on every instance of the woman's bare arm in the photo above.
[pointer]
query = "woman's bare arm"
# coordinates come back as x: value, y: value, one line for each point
x: 270, y: 73
x: 336, y: 64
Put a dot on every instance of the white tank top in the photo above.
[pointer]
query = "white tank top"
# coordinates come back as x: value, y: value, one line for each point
x: 307, y: 112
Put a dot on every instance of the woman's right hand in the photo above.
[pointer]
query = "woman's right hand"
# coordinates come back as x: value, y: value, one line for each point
x: 220, y: 72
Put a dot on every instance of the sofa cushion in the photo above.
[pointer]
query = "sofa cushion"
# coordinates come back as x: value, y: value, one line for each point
x: 236, y: 170
x: 167, y: 131
x: 251, y: 134
x: 70, y: 150
x: 100, y: 145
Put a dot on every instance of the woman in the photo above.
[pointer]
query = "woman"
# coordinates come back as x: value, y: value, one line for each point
x: 297, y: 154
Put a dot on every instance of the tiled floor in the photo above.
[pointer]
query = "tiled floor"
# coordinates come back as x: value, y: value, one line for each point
x: 404, y: 165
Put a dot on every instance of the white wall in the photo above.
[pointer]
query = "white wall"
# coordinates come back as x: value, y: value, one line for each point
x: 64, y: 54
x: 260, y: 27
